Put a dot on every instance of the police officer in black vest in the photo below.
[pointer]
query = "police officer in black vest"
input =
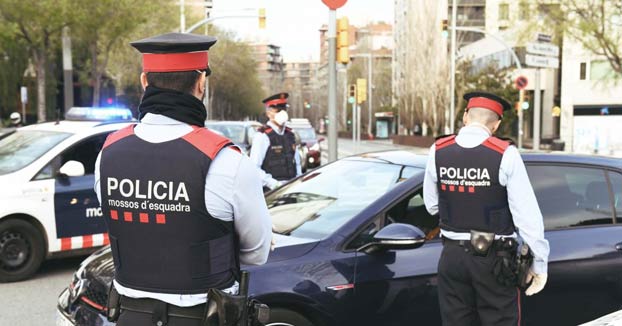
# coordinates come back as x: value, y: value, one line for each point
x: 478, y: 185
x: 183, y: 206
x: 274, y: 146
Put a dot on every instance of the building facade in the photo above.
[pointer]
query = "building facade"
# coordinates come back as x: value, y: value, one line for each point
x: 270, y: 67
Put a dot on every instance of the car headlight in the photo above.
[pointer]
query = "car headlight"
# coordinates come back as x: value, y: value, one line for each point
x: 315, y: 147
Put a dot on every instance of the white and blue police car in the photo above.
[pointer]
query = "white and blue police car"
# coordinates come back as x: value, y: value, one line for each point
x: 47, y: 204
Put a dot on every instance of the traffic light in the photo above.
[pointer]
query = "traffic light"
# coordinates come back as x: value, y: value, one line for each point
x: 444, y: 27
x: 262, y: 18
x: 352, y: 94
x: 307, y: 105
x: 343, y: 55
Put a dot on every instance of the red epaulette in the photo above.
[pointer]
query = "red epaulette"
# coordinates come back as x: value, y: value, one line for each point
x: 444, y: 142
x: 496, y: 144
x: 265, y: 129
x: 118, y: 135
x: 208, y: 142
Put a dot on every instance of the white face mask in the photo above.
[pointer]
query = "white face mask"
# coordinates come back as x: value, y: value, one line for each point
x: 281, y: 118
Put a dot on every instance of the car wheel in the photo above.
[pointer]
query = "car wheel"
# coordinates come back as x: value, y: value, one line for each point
x: 21, y: 250
x: 286, y: 317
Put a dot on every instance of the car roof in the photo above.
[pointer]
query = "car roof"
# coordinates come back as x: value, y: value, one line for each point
x: 399, y: 157
x: 73, y: 127
x: 571, y: 158
x: 240, y: 123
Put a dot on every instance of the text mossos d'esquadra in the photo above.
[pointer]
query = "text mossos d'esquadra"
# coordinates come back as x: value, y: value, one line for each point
x: 464, y: 176
x: 147, y: 196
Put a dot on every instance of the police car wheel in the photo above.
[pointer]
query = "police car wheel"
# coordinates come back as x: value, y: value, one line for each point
x: 286, y: 317
x: 21, y: 250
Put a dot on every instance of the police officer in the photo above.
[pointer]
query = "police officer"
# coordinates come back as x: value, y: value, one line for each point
x: 274, y: 146
x: 183, y: 206
x: 478, y: 185
x: 16, y: 120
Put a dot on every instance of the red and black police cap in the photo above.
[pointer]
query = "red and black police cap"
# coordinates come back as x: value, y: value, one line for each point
x: 278, y: 101
x: 488, y: 101
x: 175, y: 52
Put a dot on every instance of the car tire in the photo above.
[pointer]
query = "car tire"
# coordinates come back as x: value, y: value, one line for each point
x: 286, y: 317
x: 22, y: 250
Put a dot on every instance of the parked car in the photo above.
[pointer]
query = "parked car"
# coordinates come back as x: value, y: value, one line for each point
x: 6, y: 131
x: 240, y: 132
x: 339, y: 259
x: 309, y: 140
x: 612, y: 319
x: 47, y: 204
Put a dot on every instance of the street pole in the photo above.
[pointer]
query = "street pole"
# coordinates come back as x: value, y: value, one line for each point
x: 182, y: 17
x: 67, y: 69
x: 536, y: 112
x: 521, y: 99
x: 332, y: 84
x: 369, y: 94
x: 207, y: 100
x: 452, y: 90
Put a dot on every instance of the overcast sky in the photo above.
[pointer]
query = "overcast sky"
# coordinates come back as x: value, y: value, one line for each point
x: 293, y: 24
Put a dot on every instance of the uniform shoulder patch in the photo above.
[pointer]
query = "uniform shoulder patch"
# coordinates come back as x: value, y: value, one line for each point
x: 118, y: 135
x: 207, y: 141
x: 496, y: 144
x: 445, y: 141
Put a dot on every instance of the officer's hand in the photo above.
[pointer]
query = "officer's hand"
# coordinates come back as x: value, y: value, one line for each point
x: 276, y: 184
x: 537, y: 282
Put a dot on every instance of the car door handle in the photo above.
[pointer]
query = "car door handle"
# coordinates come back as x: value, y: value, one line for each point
x: 619, y: 246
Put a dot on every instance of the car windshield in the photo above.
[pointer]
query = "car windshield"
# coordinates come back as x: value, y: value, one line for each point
x: 23, y: 147
x: 319, y: 203
x: 305, y: 133
x: 233, y: 132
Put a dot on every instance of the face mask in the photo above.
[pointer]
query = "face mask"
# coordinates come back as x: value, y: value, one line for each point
x: 281, y: 117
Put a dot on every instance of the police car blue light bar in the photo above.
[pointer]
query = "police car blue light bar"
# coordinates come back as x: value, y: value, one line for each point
x: 98, y: 114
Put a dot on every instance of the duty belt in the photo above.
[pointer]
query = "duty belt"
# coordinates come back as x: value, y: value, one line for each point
x: 150, y: 306
x: 466, y: 244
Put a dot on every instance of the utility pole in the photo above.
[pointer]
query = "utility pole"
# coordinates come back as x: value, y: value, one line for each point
x: 369, y: 93
x: 537, y: 112
x: 207, y: 100
x: 332, y: 84
x: 182, y: 17
x: 452, y: 90
x: 67, y: 69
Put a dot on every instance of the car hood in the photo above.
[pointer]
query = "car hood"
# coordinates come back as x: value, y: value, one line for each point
x: 99, y: 268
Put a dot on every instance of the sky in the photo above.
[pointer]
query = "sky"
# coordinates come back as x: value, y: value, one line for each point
x: 293, y: 24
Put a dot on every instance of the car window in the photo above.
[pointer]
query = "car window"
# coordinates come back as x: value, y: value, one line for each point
x: 571, y: 196
x: 23, y: 147
x: 616, y: 185
x: 410, y: 210
x: 85, y: 152
x: 233, y: 131
x: 316, y: 205
x: 306, y: 133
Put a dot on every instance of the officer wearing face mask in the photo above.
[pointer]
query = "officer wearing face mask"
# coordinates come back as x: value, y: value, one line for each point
x: 274, y: 146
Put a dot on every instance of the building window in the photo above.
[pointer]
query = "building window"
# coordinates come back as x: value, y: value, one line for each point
x: 601, y: 69
x: 582, y: 71
x: 523, y: 11
x: 504, y: 11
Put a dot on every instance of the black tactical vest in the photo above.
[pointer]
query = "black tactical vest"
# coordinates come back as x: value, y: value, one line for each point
x: 153, y: 197
x: 279, y: 160
x: 470, y: 196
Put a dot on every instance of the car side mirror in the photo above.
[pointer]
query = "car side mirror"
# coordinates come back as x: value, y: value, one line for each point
x: 72, y: 169
x: 395, y: 236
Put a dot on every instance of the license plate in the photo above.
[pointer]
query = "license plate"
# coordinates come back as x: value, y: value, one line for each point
x: 61, y: 320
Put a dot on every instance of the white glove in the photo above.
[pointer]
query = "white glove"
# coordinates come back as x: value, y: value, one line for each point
x: 537, y: 282
x: 275, y: 184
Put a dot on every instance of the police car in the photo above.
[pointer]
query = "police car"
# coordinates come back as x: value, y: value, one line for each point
x: 47, y: 204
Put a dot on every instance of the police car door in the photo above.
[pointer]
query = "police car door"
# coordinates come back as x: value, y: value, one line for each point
x: 398, y: 287
x: 78, y: 217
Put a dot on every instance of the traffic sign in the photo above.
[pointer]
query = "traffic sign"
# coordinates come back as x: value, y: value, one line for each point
x: 24, y: 94
x: 542, y: 62
x: 541, y: 37
x: 543, y: 49
x: 521, y: 82
x: 334, y: 4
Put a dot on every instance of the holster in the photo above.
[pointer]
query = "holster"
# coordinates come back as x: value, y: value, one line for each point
x: 505, y: 267
x: 113, y: 305
x: 225, y: 309
x: 524, y: 261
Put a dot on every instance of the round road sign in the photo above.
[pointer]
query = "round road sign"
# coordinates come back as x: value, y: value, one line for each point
x: 521, y: 82
x: 334, y: 4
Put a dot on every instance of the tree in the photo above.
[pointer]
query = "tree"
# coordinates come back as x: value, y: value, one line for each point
x: 104, y: 26
x: 596, y: 24
x: 12, y: 64
x: 38, y: 24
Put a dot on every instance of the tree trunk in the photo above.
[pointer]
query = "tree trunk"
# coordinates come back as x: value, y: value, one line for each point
x: 40, y: 59
x: 96, y: 76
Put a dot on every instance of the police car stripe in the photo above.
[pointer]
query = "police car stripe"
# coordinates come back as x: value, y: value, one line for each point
x: 85, y: 241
